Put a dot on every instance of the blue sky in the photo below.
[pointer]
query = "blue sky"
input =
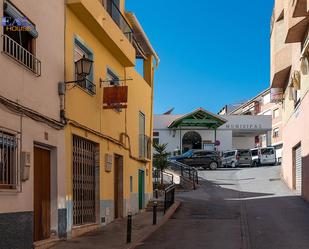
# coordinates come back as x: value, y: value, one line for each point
x: 212, y: 52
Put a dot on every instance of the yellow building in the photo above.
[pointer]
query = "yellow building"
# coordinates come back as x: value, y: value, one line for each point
x: 108, y: 138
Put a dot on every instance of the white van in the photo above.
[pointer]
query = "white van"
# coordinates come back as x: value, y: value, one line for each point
x: 264, y: 156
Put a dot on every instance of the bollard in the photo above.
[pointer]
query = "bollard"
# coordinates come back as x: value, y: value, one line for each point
x: 156, y: 193
x: 154, y: 214
x: 129, y: 227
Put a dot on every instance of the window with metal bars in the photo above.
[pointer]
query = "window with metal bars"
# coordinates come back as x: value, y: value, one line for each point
x: 8, y: 160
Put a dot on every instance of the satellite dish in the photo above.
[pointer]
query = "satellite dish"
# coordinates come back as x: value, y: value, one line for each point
x: 169, y: 111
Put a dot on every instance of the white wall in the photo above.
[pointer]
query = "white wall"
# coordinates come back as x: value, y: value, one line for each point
x: 243, y: 142
x: 172, y: 138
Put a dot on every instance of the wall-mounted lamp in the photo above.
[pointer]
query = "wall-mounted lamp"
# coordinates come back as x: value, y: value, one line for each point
x: 82, y: 69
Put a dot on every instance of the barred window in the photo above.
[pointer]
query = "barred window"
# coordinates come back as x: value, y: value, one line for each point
x: 8, y: 160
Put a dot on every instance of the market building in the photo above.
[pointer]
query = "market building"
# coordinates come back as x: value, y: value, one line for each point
x: 32, y: 153
x: 290, y: 85
x: 109, y: 113
x: 201, y: 129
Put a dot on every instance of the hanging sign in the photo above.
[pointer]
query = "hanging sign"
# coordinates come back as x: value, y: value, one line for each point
x: 115, y: 97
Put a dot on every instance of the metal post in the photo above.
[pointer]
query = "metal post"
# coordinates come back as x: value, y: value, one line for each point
x: 156, y: 193
x: 164, y: 201
x: 154, y: 215
x: 196, y: 177
x: 129, y: 227
x: 180, y: 140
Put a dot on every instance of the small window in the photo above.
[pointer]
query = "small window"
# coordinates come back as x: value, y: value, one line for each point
x: 19, y: 36
x: 267, y: 151
x: 8, y: 160
x: 112, y: 77
x: 276, y: 113
x: 276, y: 132
x: 254, y: 152
x: 156, y: 134
x: 80, y: 50
x: 18, y: 27
x: 244, y: 153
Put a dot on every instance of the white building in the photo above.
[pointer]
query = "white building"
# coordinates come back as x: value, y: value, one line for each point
x: 201, y: 129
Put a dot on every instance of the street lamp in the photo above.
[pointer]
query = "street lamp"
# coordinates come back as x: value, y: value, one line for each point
x: 83, y: 67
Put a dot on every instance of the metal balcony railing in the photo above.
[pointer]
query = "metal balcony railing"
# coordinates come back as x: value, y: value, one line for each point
x: 118, y: 18
x: 122, y: 23
x: 184, y: 170
x: 21, y: 55
x: 87, y: 85
x: 144, y: 146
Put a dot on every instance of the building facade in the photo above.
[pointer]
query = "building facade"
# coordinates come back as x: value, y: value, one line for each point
x: 263, y: 105
x: 201, y: 129
x: 32, y: 153
x: 290, y: 85
x: 109, y: 114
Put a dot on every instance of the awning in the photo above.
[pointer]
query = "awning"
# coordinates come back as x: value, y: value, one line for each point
x: 300, y: 8
x: 199, y: 118
x: 281, y: 78
x: 143, y: 44
x: 11, y: 11
x: 297, y: 32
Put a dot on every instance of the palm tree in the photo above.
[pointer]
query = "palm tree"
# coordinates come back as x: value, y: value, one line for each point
x: 160, y: 158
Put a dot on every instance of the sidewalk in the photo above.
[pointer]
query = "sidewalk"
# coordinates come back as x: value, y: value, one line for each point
x: 114, y: 235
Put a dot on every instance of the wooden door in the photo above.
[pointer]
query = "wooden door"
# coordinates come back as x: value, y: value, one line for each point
x: 41, y: 194
x: 118, y: 186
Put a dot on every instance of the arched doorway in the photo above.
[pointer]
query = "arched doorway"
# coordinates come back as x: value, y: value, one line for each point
x: 191, y: 140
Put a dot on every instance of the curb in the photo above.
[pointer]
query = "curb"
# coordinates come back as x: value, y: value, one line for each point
x: 165, y: 218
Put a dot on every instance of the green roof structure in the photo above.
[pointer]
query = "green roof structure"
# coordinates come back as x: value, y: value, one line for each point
x: 199, y: 118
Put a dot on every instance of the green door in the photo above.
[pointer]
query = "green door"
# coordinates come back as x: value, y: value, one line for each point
x: 141, y: 189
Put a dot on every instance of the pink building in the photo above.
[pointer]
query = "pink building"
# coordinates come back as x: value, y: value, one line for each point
x: 32, y: 154
x: 290, y: 76
x: 261, y: 104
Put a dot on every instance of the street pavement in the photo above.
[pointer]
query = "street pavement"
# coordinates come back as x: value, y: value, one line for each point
x: 247, y: 208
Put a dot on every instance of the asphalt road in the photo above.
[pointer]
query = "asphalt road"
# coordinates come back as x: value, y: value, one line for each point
x: 248, y: 208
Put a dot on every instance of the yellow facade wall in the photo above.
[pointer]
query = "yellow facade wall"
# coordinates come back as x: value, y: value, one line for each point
x: 88, y: 111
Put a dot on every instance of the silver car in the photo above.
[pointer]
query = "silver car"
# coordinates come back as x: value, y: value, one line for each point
x: 237, y: 158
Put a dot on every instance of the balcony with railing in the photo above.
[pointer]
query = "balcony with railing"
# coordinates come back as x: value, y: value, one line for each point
x: 21, y: 55
x: 118, y: 18
x: 123, y: 25
x: 144, y: 147
x: 108, y: 25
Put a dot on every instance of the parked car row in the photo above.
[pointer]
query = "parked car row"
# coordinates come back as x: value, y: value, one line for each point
x: 233, y: 158
x: 254, y: 157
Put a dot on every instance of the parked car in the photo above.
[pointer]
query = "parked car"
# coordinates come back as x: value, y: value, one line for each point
x: 236, y: 158
x: 200, y: 158
x: 264, y: 156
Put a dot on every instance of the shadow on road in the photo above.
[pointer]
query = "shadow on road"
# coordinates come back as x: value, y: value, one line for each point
x: 233, y: 213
